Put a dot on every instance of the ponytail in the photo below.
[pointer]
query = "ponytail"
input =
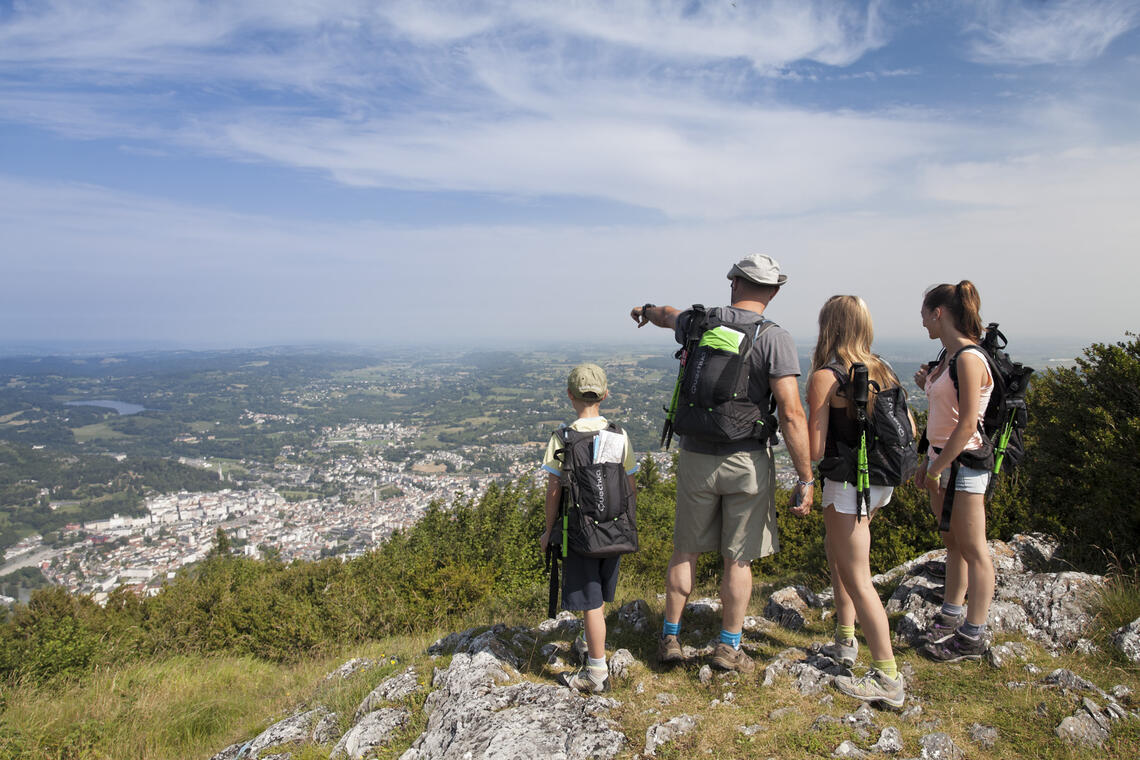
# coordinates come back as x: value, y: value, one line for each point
x: 964, y: 303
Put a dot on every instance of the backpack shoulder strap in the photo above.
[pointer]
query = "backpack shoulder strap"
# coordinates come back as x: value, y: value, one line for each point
x: 838, y: 370
x: 995, y: 377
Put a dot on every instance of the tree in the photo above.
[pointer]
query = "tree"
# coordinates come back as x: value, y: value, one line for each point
x: 648, y: 475
x: 222, y: 546
x: 1083, y: 453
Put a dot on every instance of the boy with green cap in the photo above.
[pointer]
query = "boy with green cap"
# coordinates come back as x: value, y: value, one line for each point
x: 587, y: 582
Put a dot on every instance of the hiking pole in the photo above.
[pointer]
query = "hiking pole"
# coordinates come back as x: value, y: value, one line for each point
x: 859, y: 392
x: 555, y: 585
x: 671, y: 410
x: 1003, y: 442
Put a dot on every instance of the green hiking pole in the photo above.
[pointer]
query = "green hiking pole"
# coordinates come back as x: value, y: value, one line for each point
x: 1003, y: 442
x: 860, y: 388
x: 862, y: 478
x: 671, y: 411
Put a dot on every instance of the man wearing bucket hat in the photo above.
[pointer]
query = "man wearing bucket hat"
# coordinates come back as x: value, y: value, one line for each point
x: 726, y: 474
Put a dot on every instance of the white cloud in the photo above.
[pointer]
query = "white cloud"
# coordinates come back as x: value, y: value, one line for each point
x: 699, y: 160
x: 1062, y: 31
x: 1052, y: 251
x: 644, y: 103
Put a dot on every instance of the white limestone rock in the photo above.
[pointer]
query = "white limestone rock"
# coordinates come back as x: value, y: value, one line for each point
x: 660, y: 734
x: 478, y: 707
x: 1127, y: 640
x: 373, y: 731
x: 393, y: 689
x: 890, y: 742
x: 297, y: 729
x: 940, y: 747
x: 621, y: 665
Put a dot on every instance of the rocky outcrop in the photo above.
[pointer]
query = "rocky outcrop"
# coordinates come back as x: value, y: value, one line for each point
x: 478, y: 706
x: 486, y: 702
x: 1050, y: 607
x: 295, y: 730
x: 1127, y: 640
x: 371, y: 732
x: 394, y: 689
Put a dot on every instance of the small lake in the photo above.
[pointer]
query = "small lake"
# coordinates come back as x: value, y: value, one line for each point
x: 122, y: 407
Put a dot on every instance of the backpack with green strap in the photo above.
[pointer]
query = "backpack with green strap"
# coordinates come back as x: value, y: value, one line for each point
x: 711, y: 399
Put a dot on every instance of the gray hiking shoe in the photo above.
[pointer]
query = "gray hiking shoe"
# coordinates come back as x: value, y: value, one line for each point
x: 957, y: 647
x: 873, y: 687
x: 943, y: 627
x: 669, y: 650
x: 727, y: 657
x: 579, y: 652
x: 587, y: 681
x: 843, y: 651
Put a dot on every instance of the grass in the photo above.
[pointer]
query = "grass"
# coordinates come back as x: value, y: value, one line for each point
x: 99, y: 431
x: 187, y: 707
x: 1118, y: 603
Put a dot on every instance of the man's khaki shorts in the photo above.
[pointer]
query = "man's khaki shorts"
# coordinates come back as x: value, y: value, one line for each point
x: 726, y: 503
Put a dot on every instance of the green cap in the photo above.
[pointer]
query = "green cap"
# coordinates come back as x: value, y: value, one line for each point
x: 587, y: 378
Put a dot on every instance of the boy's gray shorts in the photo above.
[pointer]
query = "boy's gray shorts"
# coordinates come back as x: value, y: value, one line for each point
x: 588, y: 583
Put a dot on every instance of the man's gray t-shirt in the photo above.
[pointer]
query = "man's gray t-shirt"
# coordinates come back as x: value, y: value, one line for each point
x: 772, y: 355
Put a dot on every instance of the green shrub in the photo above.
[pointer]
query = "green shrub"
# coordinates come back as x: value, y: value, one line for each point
x: 1083, y: 453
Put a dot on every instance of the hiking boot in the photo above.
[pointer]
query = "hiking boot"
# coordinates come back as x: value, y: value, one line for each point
x: 844, y: 651
x: 669, y: 650
x: 585, y: 680
x: 873, y: 687
x: 579, y: 652
x: 727, y: 657
x: 957, y: 647
x: 943, y: 627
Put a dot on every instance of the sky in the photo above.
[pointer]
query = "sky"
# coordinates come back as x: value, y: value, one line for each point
x: 268, y: 172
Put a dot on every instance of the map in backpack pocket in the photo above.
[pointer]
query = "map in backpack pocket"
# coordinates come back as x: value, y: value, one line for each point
x: 609, y: 447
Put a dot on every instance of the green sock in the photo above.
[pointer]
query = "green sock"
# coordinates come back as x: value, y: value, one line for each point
x: 844, y: 632
x: 887, y: 667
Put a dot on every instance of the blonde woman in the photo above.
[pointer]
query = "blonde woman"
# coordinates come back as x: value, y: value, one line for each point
x: 950, y: 314
x: 845, y: 334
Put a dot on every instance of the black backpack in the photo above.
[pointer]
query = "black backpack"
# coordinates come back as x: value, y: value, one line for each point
x: 892, y: 451
x: 1003, y: 421
x: 712, y: 401
x: 598, y: 511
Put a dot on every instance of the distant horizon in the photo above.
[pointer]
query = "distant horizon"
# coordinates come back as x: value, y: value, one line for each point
x: 1060, y: 348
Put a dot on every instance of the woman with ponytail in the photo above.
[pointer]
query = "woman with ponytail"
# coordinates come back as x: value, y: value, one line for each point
x: 845, y: 335
x: 950, y: 314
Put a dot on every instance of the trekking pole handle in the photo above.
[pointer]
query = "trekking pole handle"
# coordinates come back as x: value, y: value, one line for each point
x: 859, y: 386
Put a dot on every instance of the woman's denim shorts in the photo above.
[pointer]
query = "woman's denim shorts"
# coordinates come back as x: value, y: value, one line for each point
x: 969, y: 480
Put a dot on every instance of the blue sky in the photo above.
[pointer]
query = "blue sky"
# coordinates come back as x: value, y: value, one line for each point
x: 252, y: 173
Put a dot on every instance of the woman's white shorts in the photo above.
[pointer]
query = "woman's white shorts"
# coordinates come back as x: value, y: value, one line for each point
x: 842, y: 496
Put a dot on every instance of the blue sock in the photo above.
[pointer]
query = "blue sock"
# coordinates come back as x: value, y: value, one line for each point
x: 953, y: 610
x: 671, y: 629
x: 732, y: 639
x: 971, y: 630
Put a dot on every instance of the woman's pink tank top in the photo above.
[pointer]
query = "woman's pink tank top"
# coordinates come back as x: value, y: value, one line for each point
x: 942, y: 402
